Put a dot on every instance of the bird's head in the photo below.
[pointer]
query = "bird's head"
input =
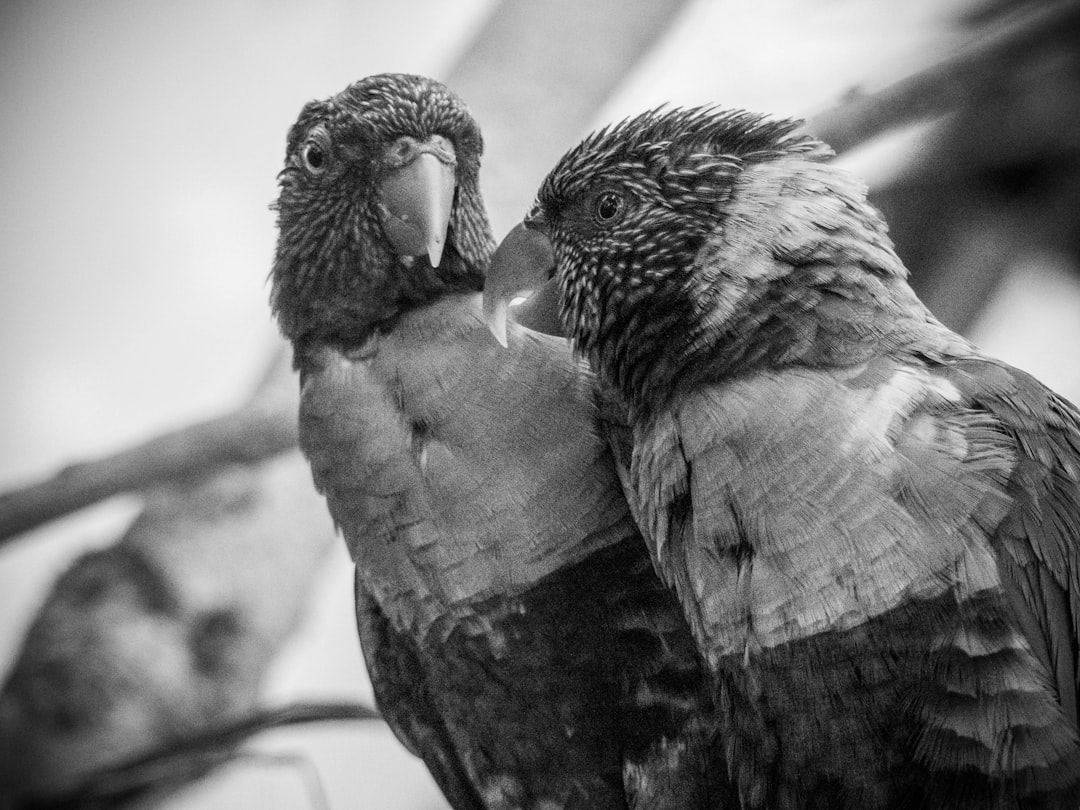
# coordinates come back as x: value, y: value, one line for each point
x: 696, y: 242
x: 379, y: 209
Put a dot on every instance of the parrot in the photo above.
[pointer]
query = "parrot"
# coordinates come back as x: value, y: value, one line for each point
x: 872, y: 528
x: 518, y: 638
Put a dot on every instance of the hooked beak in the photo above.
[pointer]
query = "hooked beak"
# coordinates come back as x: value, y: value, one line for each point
x: 416, y: 197
x: 523, y: 267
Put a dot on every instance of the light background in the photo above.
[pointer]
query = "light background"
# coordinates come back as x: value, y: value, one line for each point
x: 141, y: 143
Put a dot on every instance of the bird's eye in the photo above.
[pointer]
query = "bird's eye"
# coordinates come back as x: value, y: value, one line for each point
x: 314, y: 157
x: 608, y: 208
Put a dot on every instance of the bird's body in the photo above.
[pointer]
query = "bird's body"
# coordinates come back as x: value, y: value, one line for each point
x: 497, y: 607
x: 873, y: 530
x: 516, y: 633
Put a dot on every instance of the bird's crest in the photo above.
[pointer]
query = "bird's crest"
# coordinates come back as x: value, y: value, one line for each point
x: 657, y: 140
x: 391, y: 104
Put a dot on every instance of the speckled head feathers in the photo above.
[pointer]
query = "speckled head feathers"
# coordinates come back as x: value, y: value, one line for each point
x: 336, y: 276
x: 388, y: 105
x: 697, y: 242
x: 662, y: 139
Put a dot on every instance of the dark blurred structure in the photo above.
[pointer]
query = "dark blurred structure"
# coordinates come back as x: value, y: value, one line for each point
x: 169, y: 632
x: 996, y: 180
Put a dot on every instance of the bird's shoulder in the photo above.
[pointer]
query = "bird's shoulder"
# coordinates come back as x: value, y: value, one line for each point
x: 883, y: 471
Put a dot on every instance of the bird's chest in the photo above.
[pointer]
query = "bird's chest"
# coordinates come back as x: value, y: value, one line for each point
x: 440, y: 483
x: 373, y: 425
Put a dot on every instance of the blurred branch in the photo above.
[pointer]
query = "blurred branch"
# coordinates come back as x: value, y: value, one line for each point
x: 186, y: 760
x: 972, y: 74
x: 263, y: 427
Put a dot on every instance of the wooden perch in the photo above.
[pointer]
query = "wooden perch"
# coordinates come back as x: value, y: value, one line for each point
x: 266, y: 425
x: 974, y: 73
x: 183, y: 761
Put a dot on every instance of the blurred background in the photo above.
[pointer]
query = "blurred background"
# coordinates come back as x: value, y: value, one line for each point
x: 142, y: 144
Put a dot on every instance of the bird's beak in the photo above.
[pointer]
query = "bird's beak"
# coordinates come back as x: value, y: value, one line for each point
x: 523, y: 267
x: 415, y: 201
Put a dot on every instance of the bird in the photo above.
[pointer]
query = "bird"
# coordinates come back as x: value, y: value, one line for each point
x: 518, y: 638
x: 872, y: 528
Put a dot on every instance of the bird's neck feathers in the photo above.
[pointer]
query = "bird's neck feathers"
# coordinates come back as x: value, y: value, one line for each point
x: 343, y: 284
x: 798, y: 271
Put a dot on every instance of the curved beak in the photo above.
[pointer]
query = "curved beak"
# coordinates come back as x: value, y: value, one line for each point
x: 415, y: 201
x: 523, y: 267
